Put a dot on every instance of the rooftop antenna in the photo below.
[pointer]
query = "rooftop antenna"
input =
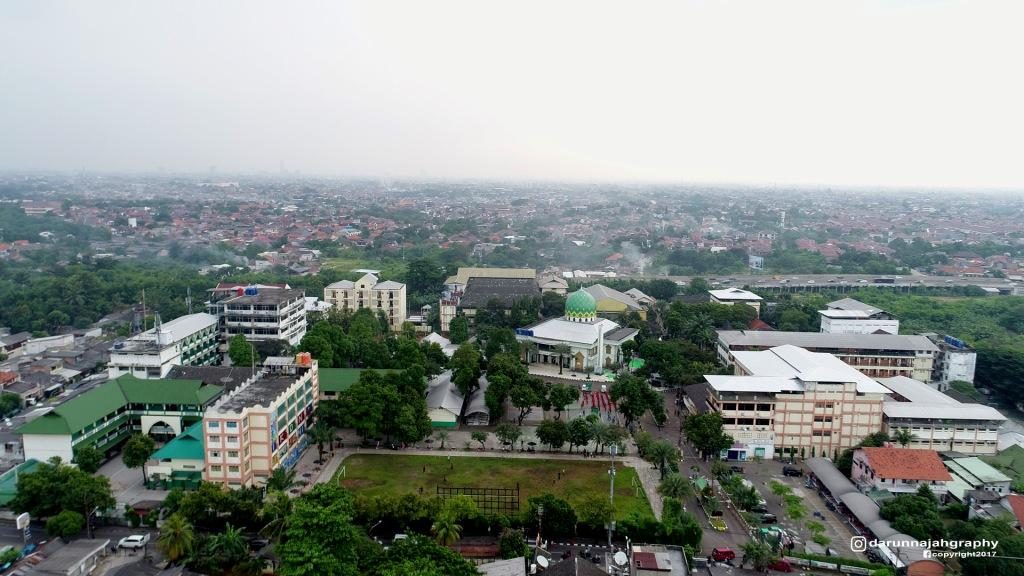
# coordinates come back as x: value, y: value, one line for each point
x: 143, y: 309
x: 188, y: 299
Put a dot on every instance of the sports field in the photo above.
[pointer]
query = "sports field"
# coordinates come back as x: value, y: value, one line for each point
x: 392, y: 474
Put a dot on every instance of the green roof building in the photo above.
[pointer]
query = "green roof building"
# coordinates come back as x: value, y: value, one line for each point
x: 106, y: 415
x: 580, y: 306
x: 334, y: 381
x: 180, y: 462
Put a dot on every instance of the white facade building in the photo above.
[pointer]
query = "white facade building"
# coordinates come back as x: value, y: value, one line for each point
x: 186, y: 341
x: 369, y: 292
x: 263, y: 313
x: 849, y: 316
x: 730, y: 296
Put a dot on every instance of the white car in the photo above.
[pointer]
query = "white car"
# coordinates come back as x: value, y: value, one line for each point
x: 134, y: 541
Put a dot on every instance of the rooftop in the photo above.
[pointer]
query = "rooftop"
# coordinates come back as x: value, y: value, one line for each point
x: 940, y: 411
x: 819, y: 340
x: 177, y: 330
x: 480, y: 291
x: 260, y: 392
x: 915, y: 391
x: 67, y: 558
x: 850, y: 304
x: 464, y: 274
x: 602, y: 292
x: 976, y: 471
x: 735, y: 294
x: 906, y: 464
x: 562, y: 330
x: 793, y: 362
x: 85, y: 409
x: 186, y: 446
x: 341, y: 379
x: 271, y: 296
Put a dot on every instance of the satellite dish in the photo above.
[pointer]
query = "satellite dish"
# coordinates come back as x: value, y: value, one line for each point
x: 620, y: 558
x: 542, y: 561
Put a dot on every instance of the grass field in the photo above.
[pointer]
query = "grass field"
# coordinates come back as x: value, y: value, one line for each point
x: 389, y: 474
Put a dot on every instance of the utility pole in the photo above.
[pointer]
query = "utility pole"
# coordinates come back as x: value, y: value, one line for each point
x: 611, y: 494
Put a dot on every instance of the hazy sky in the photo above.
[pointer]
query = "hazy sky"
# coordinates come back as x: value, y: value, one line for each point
x: 897, y: 92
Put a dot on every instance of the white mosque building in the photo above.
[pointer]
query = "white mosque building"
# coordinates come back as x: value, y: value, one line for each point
x: 594, y: 343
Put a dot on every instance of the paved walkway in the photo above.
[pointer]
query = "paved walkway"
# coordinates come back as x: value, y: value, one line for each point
x: 648, y: 476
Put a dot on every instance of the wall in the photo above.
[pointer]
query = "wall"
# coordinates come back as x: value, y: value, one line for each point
x: 42, y: 447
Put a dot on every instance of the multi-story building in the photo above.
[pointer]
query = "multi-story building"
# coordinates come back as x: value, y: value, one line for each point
x: 455, y: 287
x: 938, y: 422
x: 875, y: 355
x: 261, y: 425
x: 106, y: 415
x: 849, y: 316
x: 369, y: 292
x: 730, y: 296
x: 955, y: 361
x: 899, y: 470
x: 261, y: 313
x: 789, y: 401
x: 186, y: 341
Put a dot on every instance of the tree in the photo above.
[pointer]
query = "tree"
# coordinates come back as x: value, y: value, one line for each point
x: 240, y: 352
x: 458, y: 330
x: 277, y: 507
x: 633, y: 397
x: 675, y: 485
x: 229, y: 544
x: 321, y: 433
x: 442, y: 435
x: 595, y: 511
x: 507, y: 433
x: 424, y: 276
x: 759, y: 554
x: 479, y: 436
x: 527, y: 394
x: 705, y: 432
x: 465, y: 366
x: 88, y: 458
x: 137, y: 450
x: 65, y: 525
x: 54, y: 486
x: 281, y: 479
x: 418, y: 556
x: 553, y: 433
x: 9, y: 403
x: 320, y: 538
x: 562, y: 351
x: 903, y: 437
x: 552, y: 304
x: 560, y: 396
x: 446, y: 530
x: 318, y: 346
x: 177, y: 538
x: 663, y: 455
x: 559, y: 519
x: 580, y: 433
x: 512, y: 544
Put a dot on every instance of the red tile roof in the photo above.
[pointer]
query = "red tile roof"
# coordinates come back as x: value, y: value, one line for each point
x: 907, y: 464
x: 1017, y: 503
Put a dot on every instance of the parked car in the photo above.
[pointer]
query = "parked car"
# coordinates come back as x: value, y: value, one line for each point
x: 722, y: 554
x: 759, y: 508
x: 134, y: 541
x: 736, y: 469
x: 257, y: 544
x: 791, y: 471
x: 769, y: 519
x: 781, y: 565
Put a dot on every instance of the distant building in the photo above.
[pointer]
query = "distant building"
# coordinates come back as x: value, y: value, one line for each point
x: 480, y: 293
x: 260, y: 313
x: 730, y: 296
x: 455, y: 287
x: 938, y: 422
x: 611, y: 301
x: 554, y: 284
x: 971, y: 473
x: 876, y: 355
x: 899, y: 470
x: 369, y: 292
x: 955, y: 361
x: 849, y: 316
x: 261, y: 425
x: 186, y: 341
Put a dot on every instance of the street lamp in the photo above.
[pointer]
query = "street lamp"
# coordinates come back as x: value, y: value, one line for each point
x: 368, y: 532
x: 611, y: 493
x: 540, y: 522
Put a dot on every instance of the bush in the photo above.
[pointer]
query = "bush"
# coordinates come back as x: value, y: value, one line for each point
x: 67, y: 524
x: 838, y: 560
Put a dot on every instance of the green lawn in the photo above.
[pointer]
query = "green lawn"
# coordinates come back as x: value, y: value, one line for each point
x: 391, y: 474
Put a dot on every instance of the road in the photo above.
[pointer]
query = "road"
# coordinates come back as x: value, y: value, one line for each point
x: 836, y: 281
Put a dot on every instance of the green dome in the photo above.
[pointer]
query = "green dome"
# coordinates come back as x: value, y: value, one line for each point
x: 580, y: 305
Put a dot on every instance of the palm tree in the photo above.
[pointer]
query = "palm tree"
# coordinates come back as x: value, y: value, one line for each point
x: 442, y: 435
x: 759, y: 554
x: 660, y: 454
x: 903, y: 437
x: 701, y: 330
x: 562, y: 350
x: 282, y: 480
x: 446, y: 530
x: 675, y: 486
x: 320, y: 433
x: 229, y: 544
x: 274, y: 514
x: 177, y: 538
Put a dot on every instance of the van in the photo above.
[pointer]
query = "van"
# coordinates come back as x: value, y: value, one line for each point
x: 722, y: 554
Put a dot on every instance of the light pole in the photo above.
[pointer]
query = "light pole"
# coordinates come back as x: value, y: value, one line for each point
x: 368, y: 532
x: 540, y: 523
x: 611, y: 493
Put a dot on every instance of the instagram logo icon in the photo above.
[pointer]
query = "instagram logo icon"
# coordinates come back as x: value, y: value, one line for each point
x: 859, y: 544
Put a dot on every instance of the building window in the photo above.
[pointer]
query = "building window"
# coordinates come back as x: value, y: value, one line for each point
x: 214, y: 454
x: 232, y: 453
x: 232, y: 424
x: 233, y: 469
x: 232, y: 439
x: 215, y: 468
x: 213, y: 425
x: 215, y: 439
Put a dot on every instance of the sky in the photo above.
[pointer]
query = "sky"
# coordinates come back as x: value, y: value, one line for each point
x: 924, y: 93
